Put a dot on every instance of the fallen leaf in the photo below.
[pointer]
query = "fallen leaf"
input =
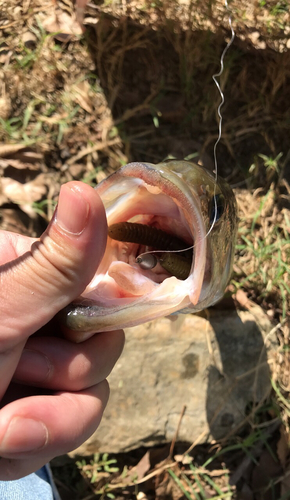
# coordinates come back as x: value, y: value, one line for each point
x: 285, y: 483
x: 142, y: 467
x: 80, y: 94
x: 283, y: 446
x: 246, y: 493
x: 17, y: 164
x: 184, y: 459
x: 10, y: 149
x: 32, y: 156
x: 242, y: 298
x: 21, y: 194
x: 63, y: 25
x: 264, y: 474
x: 15, y: 221
x: 91, y: 21
x: 5, y: 54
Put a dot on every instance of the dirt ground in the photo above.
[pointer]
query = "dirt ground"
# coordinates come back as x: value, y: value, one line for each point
x: 134, y: 82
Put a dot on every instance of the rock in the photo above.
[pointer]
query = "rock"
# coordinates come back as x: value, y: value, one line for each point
x: 29, y: 40
x: 217, y: 367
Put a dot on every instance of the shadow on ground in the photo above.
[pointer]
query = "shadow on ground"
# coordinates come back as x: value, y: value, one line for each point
x: 159, y: 86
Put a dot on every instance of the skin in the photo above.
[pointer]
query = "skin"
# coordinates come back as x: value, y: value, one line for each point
x: 52, y: 391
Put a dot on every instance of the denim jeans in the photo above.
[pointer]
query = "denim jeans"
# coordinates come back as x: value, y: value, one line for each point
x: 36, y: 486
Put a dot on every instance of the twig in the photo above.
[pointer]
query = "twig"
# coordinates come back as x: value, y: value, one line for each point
x: 196, y: 442
x: 176, y: 432
x: 97, y: 147
x: 10, y: 149
x: 154, y: 473
x: 7, y: 25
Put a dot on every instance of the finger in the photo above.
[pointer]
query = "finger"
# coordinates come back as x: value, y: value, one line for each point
x: 12, y: 245
x: 59, y: 364
x: 59, y: 265
x: 48, y: 426
x: 34, y: 287
x: 12, y: 469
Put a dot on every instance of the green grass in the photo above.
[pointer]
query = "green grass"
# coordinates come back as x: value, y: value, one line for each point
x: 263, y: 248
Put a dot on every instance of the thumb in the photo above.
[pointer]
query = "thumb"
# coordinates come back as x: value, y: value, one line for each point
x: 34, y: 287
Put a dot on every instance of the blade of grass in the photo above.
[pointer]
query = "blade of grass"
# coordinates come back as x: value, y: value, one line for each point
x: 221, y: 452
x: 180, y: 485
x: 279, y: 395
x: 201, y: 489
x: 190, y: 485
x: 212, y: 483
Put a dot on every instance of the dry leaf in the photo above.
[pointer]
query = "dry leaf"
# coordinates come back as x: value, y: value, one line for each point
x: 285, y: 483
x: 268, y: 470
x: 32, y: 156
x: 62, y: 24
x: 80, y: 94
x: 29, y: 40
x: 91, y: 21
x: 15, y: 221
x: 23, y: 193
x: 283, y: 446
x: 17, y: 164
x: 184, y: 459
x: 242, y: 298
x: 10, y: 149
x: 246, y: 493
x: 142, y: 467
x: 5, y: 54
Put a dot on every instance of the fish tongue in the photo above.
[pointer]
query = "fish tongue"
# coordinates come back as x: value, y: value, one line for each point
x: 130, y: 279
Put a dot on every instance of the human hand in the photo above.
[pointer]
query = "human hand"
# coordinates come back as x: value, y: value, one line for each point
x: 52, y: 391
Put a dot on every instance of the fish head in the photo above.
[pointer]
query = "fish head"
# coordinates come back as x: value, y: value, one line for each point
x: 154, y: 208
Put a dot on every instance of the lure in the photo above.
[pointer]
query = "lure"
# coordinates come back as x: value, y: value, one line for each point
x: 176, y: 264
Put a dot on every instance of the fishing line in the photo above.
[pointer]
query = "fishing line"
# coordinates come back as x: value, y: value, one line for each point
x: 215, y: 78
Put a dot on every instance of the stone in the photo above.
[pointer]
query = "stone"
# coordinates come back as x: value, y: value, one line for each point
x: 216, y: 367
x: 29, y: 40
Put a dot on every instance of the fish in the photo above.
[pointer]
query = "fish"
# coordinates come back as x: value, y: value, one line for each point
x: 175, y: 211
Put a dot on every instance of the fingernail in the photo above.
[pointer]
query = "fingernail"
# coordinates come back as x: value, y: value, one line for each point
x: 33, y: 367
x: 23, y: 435
x: 72, y: 210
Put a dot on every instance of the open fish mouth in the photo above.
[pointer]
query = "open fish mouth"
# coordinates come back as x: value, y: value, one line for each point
x: 171, y: 235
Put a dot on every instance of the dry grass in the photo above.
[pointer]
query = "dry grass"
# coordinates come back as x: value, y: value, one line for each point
x: 262, y: 266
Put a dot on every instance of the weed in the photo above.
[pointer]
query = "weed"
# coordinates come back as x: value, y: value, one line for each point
x: 101, y: 465
x: 12, y: 127
x: 263, y: 248
x: 44, y: 207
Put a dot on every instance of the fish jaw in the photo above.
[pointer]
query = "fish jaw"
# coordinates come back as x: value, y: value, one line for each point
x: 153, y: 195
x: 87, y: 317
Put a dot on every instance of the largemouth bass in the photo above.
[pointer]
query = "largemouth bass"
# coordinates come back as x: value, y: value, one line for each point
x: 170, y: 247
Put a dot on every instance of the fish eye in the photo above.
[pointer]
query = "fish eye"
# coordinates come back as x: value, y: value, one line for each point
x: 217, y: 207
